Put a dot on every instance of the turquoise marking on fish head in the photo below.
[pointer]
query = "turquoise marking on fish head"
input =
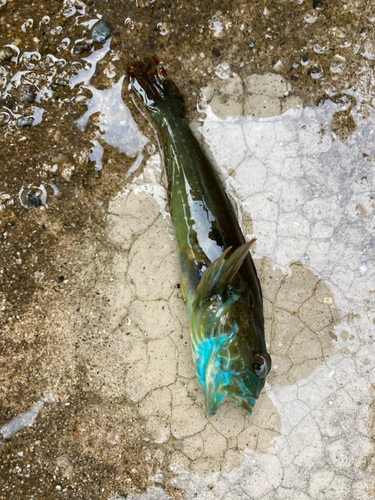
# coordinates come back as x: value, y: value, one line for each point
x: 228, y: 357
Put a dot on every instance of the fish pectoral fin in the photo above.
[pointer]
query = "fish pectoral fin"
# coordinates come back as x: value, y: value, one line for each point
x: 212, y: 382
x: 183, y: 297
x: 221, y: 272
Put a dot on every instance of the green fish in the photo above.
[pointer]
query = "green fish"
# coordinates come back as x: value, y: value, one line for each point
x: 219, y: 279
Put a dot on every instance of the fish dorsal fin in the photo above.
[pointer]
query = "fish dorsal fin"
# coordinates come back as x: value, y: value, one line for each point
x: 221, y: 272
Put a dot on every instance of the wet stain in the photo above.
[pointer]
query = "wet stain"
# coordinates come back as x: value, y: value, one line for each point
x: 342, y: 122
x: 302, y: 317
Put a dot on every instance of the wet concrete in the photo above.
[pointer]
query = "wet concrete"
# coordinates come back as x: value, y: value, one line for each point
x: 96, y: 362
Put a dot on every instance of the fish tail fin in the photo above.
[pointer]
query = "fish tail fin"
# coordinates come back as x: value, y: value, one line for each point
x: 149, y: 80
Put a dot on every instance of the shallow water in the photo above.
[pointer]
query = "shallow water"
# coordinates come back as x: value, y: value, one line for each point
x: 98, y: 373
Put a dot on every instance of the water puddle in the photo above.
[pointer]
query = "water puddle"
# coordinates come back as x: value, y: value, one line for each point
x: 115, y: 125
x: 27, y: 418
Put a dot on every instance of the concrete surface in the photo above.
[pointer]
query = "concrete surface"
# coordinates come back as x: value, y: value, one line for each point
x: 309, y: 199
x: 98, y: 394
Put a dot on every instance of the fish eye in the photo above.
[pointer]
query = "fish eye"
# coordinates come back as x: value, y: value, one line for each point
x: 261, y: 365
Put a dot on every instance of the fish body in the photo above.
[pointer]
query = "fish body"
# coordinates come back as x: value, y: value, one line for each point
x: 219, y: 279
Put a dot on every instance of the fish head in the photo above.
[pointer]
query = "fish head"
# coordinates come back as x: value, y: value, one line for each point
x: 245, y: 385
x: 227, y: 332
x: 229, y: 353
x: 235, y: 372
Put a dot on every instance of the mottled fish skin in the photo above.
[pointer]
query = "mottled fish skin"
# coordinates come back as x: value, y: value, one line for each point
x: 219, y: 280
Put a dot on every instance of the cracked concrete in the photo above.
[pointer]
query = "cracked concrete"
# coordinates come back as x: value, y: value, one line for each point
x: 309, y: 434
x: 100, y: 365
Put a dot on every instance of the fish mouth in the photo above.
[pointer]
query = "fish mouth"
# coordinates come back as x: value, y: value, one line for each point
x: 233, y: 390
x: 241, y: 395
x: 245, y: 401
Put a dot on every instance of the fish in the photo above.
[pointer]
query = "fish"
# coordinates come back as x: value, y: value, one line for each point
x: 219, y: 281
